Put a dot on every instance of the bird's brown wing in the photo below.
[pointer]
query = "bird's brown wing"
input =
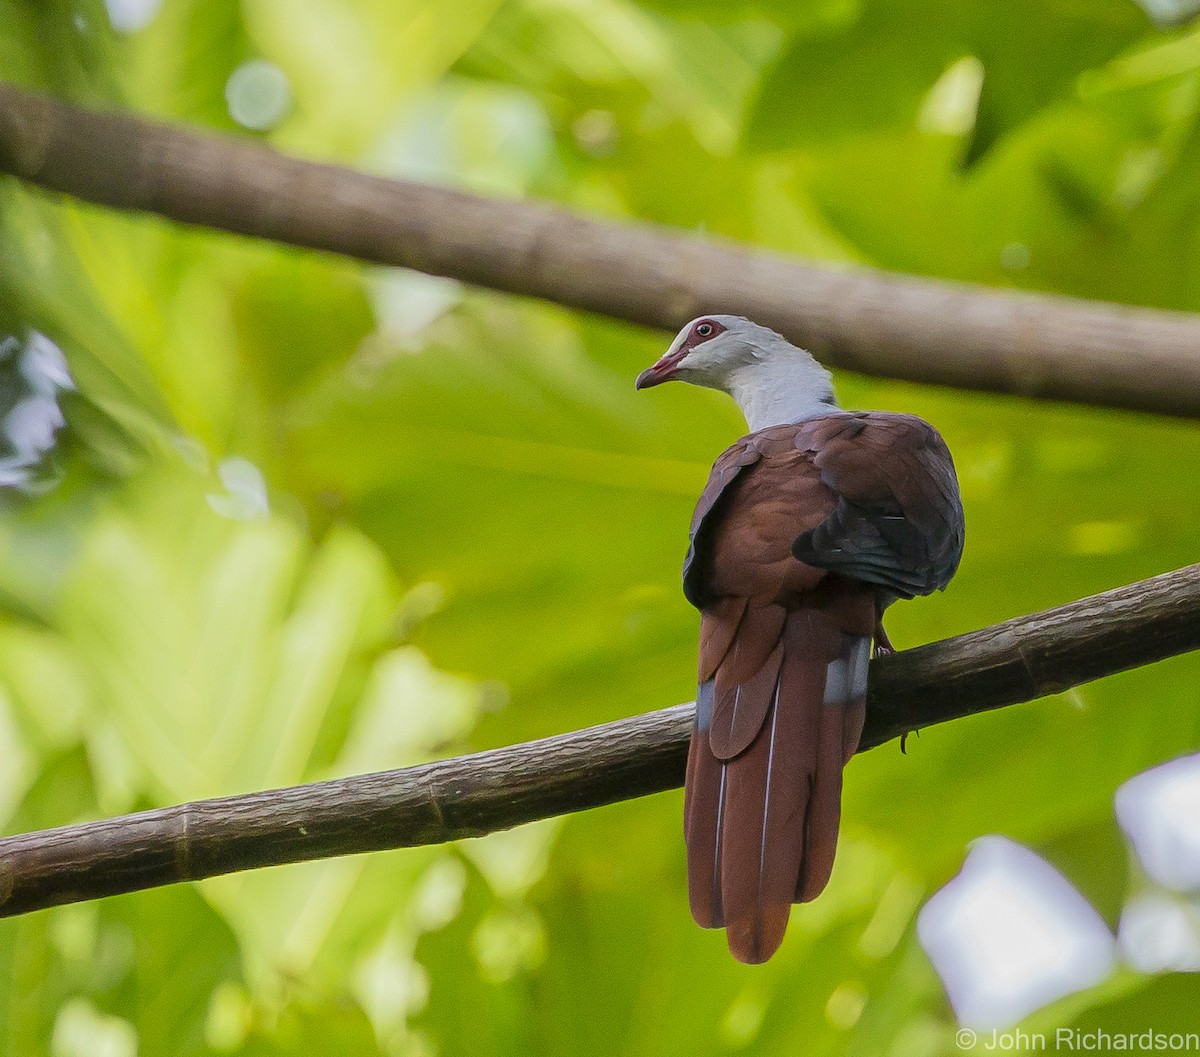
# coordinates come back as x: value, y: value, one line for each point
x: 898, y: 518
x: 889, y: 513
x: 784, y: 648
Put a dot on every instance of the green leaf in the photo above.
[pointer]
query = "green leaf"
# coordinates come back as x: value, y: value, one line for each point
x: 1025, y: 72
x: 862, y: 70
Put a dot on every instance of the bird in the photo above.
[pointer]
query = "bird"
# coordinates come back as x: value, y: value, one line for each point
x: 809, y: 527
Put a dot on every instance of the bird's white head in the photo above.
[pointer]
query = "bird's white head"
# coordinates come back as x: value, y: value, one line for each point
x: 771, y: 379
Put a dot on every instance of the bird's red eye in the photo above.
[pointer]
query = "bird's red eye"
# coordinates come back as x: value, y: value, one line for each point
x: 704, y: 330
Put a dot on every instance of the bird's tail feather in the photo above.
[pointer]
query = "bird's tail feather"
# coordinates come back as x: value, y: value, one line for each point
x: 761, y: 822
x: 703, y: 807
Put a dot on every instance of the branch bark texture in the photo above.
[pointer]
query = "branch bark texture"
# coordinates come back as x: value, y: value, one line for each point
x: 868, y: 321
x: 469, y: 796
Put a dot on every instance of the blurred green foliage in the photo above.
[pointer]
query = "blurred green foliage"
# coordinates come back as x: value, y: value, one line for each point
x: 475, y: 526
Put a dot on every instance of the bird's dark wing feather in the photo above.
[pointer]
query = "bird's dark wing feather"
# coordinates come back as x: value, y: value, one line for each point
x: 898, y: 520
x: 894, y: 520
x: 727, y: 467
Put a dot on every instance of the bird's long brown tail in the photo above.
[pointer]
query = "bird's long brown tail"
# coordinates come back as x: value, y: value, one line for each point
x: 779, y: 713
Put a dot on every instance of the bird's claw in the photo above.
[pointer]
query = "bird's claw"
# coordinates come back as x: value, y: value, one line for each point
x: 883, y: 645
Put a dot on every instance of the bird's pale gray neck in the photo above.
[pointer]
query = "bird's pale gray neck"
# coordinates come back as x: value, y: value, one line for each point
x: 782, y: 389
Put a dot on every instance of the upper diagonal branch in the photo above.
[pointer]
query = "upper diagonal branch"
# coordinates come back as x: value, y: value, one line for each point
x: 471, y: 795
x: 881, y: 324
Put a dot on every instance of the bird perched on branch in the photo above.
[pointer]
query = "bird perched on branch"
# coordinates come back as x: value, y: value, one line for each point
x: 808, y: 529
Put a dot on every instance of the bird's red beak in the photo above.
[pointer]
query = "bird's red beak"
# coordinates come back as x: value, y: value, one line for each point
x: 662, y: 371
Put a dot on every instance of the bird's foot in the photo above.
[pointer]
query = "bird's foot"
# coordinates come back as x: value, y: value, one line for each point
x: 883, y: 645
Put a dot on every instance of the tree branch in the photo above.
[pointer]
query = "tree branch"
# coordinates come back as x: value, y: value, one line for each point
x: 881, y: 324
x: 468, y: 796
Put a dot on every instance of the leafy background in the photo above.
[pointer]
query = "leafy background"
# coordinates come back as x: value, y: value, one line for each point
x: 308, y: 518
